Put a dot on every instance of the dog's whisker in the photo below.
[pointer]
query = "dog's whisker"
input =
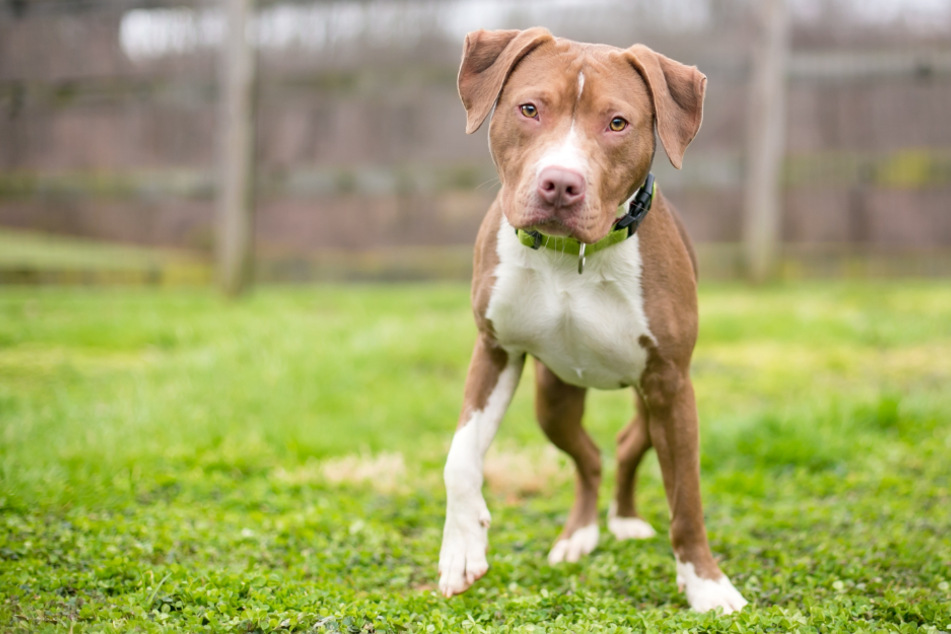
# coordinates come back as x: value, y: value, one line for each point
x: 488, y: 183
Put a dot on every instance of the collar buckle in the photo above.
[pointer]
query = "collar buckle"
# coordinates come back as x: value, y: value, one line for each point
x: 639, y: 206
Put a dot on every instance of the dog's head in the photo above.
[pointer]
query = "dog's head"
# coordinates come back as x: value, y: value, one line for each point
x: 572, y: 135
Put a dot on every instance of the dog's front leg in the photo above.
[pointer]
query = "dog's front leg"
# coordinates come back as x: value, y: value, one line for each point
x: 490, y: 383
x: 675, y: 436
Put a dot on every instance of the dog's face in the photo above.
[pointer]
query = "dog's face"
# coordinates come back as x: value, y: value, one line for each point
x: 573, y: 131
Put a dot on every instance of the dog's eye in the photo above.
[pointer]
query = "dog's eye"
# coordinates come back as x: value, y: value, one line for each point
x: 617, y: 124
x: 529, y: 110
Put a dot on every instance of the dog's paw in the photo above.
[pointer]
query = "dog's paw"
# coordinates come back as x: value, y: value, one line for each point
x: 628, y: 527
x: 462, y: 559
x: 581, y: 542
x: 704, y: 595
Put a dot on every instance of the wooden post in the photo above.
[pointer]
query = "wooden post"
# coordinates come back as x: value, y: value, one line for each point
x: 766, y: 141
x: 235, y: 196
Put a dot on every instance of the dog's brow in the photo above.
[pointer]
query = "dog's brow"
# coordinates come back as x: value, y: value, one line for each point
x: 537, y: 96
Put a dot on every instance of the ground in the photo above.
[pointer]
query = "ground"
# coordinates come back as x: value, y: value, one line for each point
x: 171, y: 461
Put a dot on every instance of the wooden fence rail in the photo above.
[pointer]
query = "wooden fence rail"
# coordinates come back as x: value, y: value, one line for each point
x: 912, y: 168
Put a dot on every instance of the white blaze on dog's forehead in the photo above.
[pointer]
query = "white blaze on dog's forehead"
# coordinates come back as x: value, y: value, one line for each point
x: 580, y: 84
x: 566, y: 153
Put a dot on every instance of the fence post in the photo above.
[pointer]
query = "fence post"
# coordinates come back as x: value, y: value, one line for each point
x: 766, y: 140
x: 235, y: 195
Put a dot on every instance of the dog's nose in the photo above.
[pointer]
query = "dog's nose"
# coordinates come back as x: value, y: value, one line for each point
x: 560, y: 187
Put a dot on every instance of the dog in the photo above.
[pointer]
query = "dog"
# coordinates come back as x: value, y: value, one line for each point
x: 582, y: 264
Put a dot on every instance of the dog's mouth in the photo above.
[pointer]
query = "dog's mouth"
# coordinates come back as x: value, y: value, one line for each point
x: 552, y: 227
x: 583, y: 223
x: 564, y: 227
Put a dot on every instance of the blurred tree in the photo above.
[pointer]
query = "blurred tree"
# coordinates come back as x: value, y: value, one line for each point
x: 236, y: 146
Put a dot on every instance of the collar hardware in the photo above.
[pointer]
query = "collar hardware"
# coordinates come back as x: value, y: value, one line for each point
x: 536, y: 239
x: 639, y: 206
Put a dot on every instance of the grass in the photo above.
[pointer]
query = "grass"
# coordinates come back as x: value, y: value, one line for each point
x: 29, y: 257
x: 169, y: 461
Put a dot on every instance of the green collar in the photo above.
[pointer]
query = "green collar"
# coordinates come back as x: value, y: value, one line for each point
x: 571, y: 246
x: 624, y: 228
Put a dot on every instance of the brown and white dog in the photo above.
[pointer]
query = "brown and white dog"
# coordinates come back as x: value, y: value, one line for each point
x: 572, y: 137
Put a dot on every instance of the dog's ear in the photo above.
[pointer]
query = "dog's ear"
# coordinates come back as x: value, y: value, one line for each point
x: 487, y: 59
x: 677, y: 91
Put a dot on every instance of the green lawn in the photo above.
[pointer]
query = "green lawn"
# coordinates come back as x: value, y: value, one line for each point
x: 170, y: 461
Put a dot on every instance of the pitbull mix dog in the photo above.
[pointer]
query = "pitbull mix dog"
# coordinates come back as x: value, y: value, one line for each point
x: 571, y: 269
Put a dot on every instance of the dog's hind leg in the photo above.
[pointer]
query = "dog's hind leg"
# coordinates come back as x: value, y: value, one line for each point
x: 632, y: 443
x: 559, y: 407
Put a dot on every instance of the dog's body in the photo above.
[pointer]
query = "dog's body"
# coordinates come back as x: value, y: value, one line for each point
x: 573, y: 137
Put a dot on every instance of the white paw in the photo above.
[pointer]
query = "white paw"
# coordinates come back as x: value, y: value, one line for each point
x: 581, y: 542
x: 462, y: 559
x: 628, y: 527
x: 704, y: 595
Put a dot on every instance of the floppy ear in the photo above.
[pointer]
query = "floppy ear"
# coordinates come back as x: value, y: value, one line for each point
x: 487, y: 59
x: 677, y: 91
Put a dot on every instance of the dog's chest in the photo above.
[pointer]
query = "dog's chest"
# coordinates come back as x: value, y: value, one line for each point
x: 585, y: 328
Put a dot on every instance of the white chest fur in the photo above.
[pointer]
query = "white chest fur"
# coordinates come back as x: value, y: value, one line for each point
x: 586, y: 327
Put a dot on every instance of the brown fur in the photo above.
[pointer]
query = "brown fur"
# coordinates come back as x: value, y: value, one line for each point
x: 488, y: 361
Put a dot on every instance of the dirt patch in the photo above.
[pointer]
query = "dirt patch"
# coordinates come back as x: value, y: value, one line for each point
x: 515, y: 473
